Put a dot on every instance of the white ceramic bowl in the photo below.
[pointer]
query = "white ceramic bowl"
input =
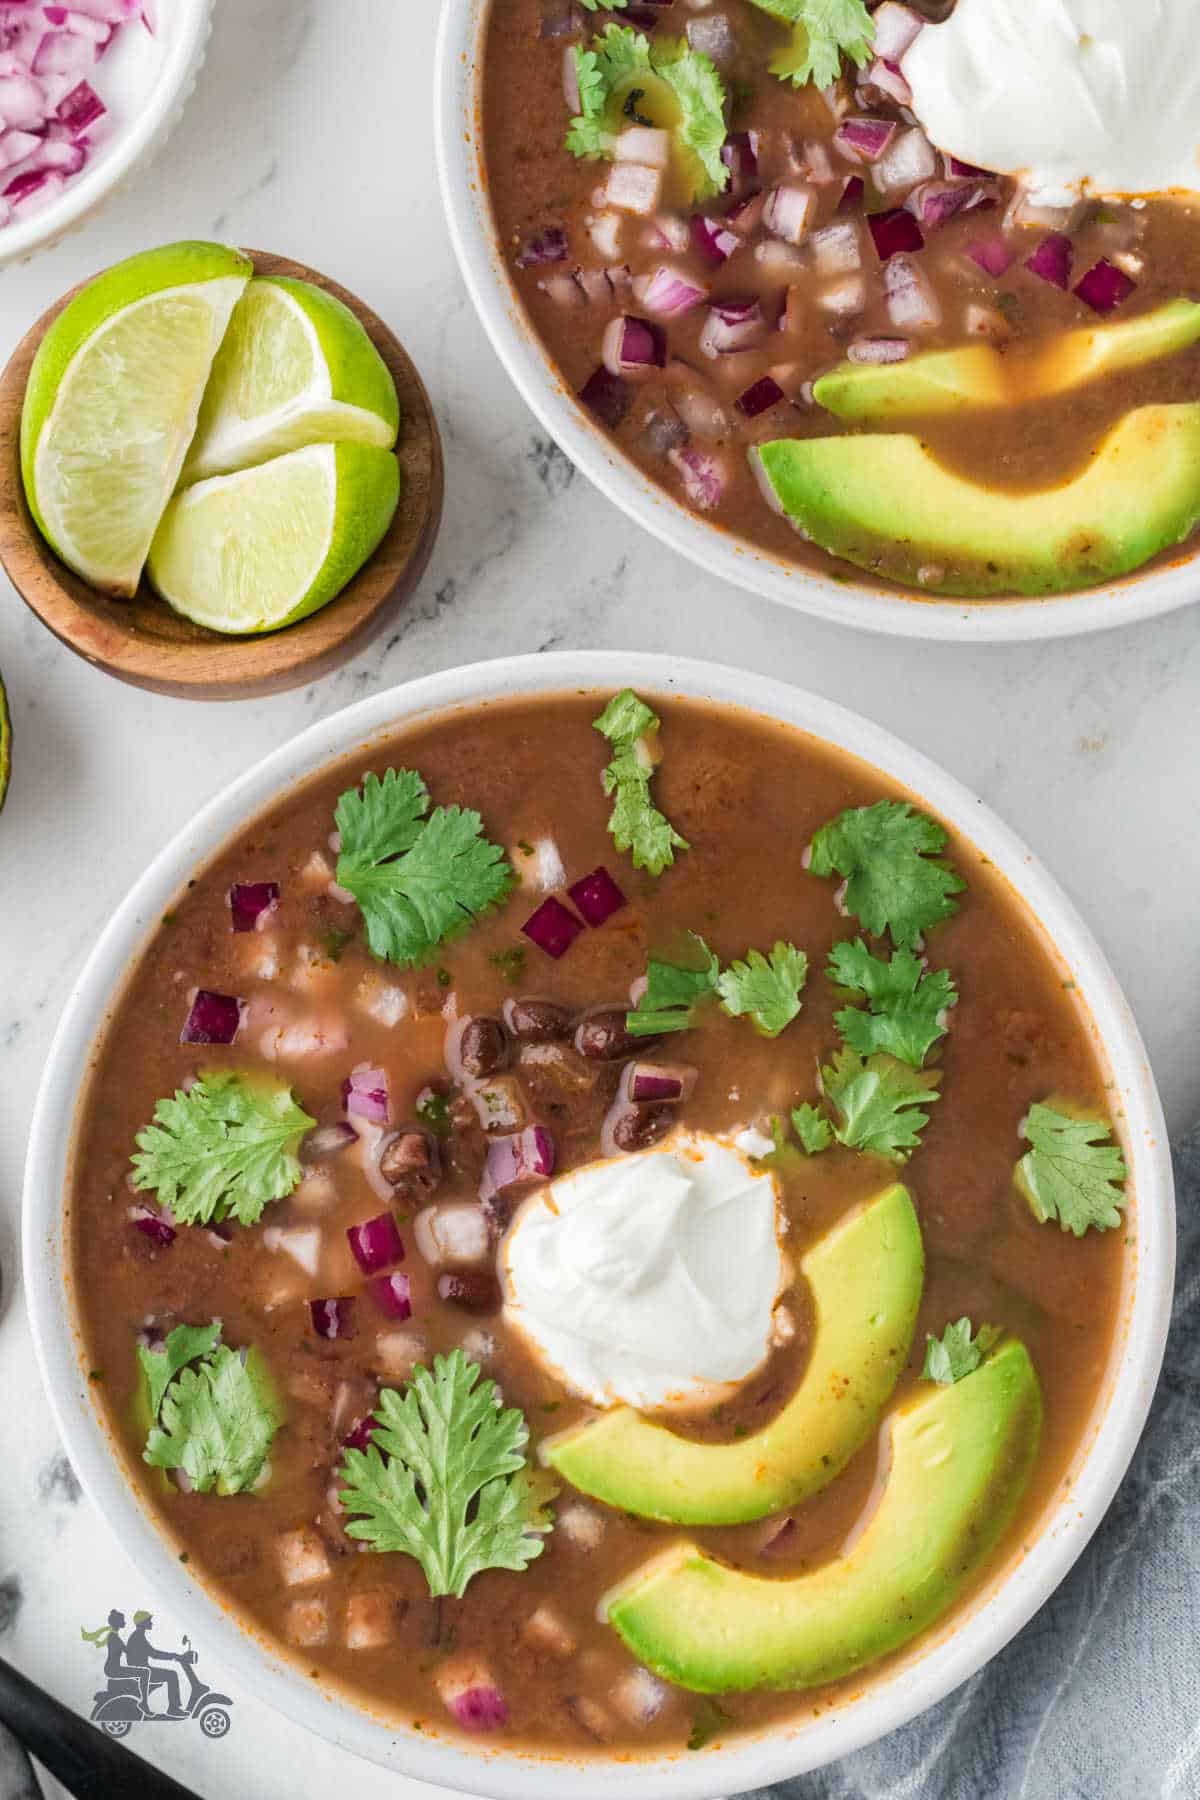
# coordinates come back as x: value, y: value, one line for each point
x: 944, y: 1659
x: 163, y: 84
x: 847, y: 601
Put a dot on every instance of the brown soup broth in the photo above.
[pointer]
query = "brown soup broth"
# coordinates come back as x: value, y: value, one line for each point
x: 534, y: 182
x: 748, y: 794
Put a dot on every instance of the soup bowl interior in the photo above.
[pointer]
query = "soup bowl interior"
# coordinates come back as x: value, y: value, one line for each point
x: 943, y: 1658
x: 844, y: 598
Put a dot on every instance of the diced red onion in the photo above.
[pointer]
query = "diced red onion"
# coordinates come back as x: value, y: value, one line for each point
x: 886, y: 78
x: 703, y: 476
x: 562, y: 289
x: 878, y: 350
x: 862, y: 139
x: 896, y: 29
x: 700, y: 411
x: 853, y: 194
x: 607, y: 396
x: 713, y: 37
x: 327, y: 1140
x: 739, y: 153
x: 894, y: 232
x: 365, y: 1094
x: 552, y: 928
x: 480, y: 1709
x: 251, y: 904
x: 667, y: 231
x: 80, y: 109
x: 664, y: 430
x: 993, y: 254
x: 846, y: 298
x: 1104, y: 287
x: 392, y: 1294
x: 376, y: 1243
x: 154, y: 1225
x: 837, y: 248
x: 632, y: 346
x: 732, y: 325
x: 513, y: 1162
x: 360, y: 1435
x: 212, y: 1019
x: 908, y: 159
x: 596, y: 897
x: 668, y: 293
x: 643, y: 144
x: 333, y: 1318
x: 759, y: 397
x: 548, y: 246
x: 1052, y: 260
x: 634, y: 187
x: 672, y: 1083
x: 935, y: 202
x: 714, y: 242
x: 789, y: 211
x: 910, y: 299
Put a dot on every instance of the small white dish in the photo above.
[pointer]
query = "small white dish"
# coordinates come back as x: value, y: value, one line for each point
x: 944, y: 1658
x: 148, y: 86
x: 844, y: 600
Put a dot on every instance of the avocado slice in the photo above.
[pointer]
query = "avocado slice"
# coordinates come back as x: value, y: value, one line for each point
x: 941, y: 381
x: 885, y: 504
x: 866, y: 1277
x: 960, y: 1459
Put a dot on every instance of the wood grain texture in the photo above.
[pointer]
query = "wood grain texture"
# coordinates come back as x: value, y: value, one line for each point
x: 142, y: 641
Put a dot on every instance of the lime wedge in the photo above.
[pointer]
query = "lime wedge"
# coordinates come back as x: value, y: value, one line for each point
x: 296, y: 368
x: 263, y: 548
x: 112, y: 402
x: 5, y: 744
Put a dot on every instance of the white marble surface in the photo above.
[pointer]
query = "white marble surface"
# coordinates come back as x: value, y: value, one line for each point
x: 311, y: 134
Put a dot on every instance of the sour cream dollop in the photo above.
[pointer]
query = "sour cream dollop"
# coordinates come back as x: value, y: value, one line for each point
x: 1072, y: 96
x: 649, y: 1279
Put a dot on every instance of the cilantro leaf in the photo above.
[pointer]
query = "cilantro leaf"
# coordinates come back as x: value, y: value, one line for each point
x: 766, y: 987
x: 612, y: 5
x: 1074, y: 1172
x: 956, y: 1353
x: 636, y: 823
x: 679, y: 86
x: 878, y: 1103
x: 215, y: 1417
x: 187, y: 1343
x: 823, y: 30
x: 225, y: 1149
x: 445, y: 1480
x: 419, y: 881
x: 906, y: 1004
x: 673, y: 992
x: 812, y: 1128
x: 887, y: 853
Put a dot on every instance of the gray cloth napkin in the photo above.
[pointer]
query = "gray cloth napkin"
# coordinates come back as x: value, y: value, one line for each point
x: 1099, y: 1697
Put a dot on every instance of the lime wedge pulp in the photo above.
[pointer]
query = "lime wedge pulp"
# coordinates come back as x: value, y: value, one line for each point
x: 112, y: 402
x: 260, y: 549
x: 296, y: 368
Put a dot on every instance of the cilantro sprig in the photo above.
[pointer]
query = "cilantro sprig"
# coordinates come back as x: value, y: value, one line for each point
x: 669, y: 84
x: 225, y: 1149
x: 812, y: 1128
x: 420, y: 878
x: 764, y: 988
x: 877, y: 1103
x: 823, y: 31
x: 906, y: 1006
x: 957, y: 1353
x: 445, y: 1478
x: 767, y: 988
x: 674, y: 991
x: 213, y: 1410
x: 889, y: 856
x: 1073, y: 1172
x: 635, y: 822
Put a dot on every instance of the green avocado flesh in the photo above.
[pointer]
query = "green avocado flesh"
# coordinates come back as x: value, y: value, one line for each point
x: 941, y: 381
x: 960, y: 1458
x: 866, y: 1277
x: 884, y: 503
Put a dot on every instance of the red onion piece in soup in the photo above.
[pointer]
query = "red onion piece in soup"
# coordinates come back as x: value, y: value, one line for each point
x: 365, y: 1094
x: 668, y: 293
x: 993, y: 254
x: 1052, y: 260
x: 936, y: 202
x: 392, y: 1294
x: 633, y: 346
x: 154, y: 1225
x: 212, y: 1018
x: 760, y: 397
x: 547, y: 246
x: 739, y: 153
x: 664, y: 430
x: 732, y: 325
x: 552, y: 928
x: 886, y: 78
x: 1104, y: 287
x: 359, y: 1436
x: 894, y: 232
x: 607, y: 396
x: 644, y: 1081
x: 863, y: 139
x: 251, y: 904
x: 480, y: 1709
x: 789, y: 210
x: 878, y: 350
x: 596, y: 897
x: 333, y: 1318
x: 512, y: 1162
x: 712, y: 239
x: 703, y: 476
x: 896, y: 29
x: 376, y: 1243
x: 853, y: 194
x: 713, y: 36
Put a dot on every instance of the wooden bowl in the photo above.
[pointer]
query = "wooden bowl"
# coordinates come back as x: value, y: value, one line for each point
x: 141, y: 640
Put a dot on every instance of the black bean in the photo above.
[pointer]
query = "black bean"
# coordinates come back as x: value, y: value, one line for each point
x: 603, y: 1037
x: 410, y: 1163
x: 537, y: 1021
x: 482, y: 1047
x: 642, y: 1126
x: 476, y: 1290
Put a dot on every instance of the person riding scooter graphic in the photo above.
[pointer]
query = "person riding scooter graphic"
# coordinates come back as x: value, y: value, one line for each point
x: 129, y: 1665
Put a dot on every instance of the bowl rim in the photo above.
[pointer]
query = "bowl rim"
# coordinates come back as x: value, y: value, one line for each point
x: 463, y: 180
x: 890, y: 1699
x: 189, y: 23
